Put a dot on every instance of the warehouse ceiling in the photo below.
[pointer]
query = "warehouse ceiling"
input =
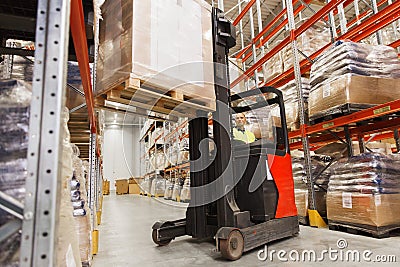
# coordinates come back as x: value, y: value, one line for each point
x: 18, y: 19
x: 269, y: 10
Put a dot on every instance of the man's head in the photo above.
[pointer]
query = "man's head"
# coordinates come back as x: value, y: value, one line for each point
x: 240, y: 120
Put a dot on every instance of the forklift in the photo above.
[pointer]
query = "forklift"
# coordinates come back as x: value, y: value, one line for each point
x: 242, y: 194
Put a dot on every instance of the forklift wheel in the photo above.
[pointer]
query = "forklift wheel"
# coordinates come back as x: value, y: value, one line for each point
x: 232, y: 247
x: 160, y: 243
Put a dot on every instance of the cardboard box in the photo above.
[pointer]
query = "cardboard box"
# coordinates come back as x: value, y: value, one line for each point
x: 122, y: 186
x: 352, y: 89
x: 134, y: 189
x: 161, y: 48
x: 356, y: 208
x: 301, y: 197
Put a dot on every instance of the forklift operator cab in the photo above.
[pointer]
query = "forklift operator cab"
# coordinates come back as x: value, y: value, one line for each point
x: 242, y: 195
x: 265, y: 187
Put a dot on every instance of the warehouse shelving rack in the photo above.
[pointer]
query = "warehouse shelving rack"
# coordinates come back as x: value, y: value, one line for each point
x: 40, y: 210
x: 369, y: 21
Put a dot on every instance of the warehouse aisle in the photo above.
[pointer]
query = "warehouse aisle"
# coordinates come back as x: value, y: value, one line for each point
x: 125, y: 240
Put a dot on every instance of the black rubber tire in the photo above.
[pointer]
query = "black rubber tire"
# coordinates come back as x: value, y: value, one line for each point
x: 232, y: 247
x: 160, y: 243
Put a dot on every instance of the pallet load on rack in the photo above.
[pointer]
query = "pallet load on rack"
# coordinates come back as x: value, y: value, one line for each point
x: 68, y: 237
x: 157, y: 188
x: 169, y: 187
x: 176, y: 191
x: 139, y: 54
x: 318, y: 164
x: 364, y: 194
x: 313, y: 39
x: 352, y: 76
x: 291, y: 102
x: 185, y: 192
x: 81, y: 211
x: 145, y: 186
x: 15, y: 97
x: 388, y: 36
x: 273, y: 67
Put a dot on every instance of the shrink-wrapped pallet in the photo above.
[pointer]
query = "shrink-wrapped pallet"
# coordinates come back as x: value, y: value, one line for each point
x: 365, y: 190
x: 169, y: 187
x: 67, y: 243
x: 313, y: 39
x: 273, y: 67
x: 166, y: 43
x: 291, y: 102
x: 300, y: 184
x: 345, y: 57
x: 158, y: 186
x: 185, y: 192
x: 351, y: 76
x: 15, y: 97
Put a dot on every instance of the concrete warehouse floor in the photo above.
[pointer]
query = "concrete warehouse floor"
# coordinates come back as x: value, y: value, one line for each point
x: 125, y: 240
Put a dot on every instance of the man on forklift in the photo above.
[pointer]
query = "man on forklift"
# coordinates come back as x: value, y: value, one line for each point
x: 244, y: 196
x: 240, y: 132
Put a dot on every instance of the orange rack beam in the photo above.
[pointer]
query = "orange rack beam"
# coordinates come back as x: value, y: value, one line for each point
x: 81, y: 49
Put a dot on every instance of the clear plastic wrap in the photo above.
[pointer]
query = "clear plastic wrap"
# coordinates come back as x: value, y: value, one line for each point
x: 291, y: 102
x: 68, y: 243
x: 15, y: 97
x: 365, y: 189
x: 362, y: 59
x: 146, y: 185
x: 158, y: 186
x: 185, y: 192
x: 159, y: 159
x: 22, y: 68
x: 273, y: 67
x: 176, y: 192
x: 313, y: 39
x: 169, y: 187
x: 159, y: 47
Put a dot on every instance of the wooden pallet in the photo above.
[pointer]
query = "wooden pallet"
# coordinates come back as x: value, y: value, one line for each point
x: 135, y: 93
x: 363, y: 229
x: 337, y: 112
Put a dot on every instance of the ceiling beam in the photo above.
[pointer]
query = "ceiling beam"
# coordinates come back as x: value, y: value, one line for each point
x: 17, y: 23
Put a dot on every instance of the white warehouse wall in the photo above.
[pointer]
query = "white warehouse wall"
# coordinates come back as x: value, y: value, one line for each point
x: 121, y: 153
